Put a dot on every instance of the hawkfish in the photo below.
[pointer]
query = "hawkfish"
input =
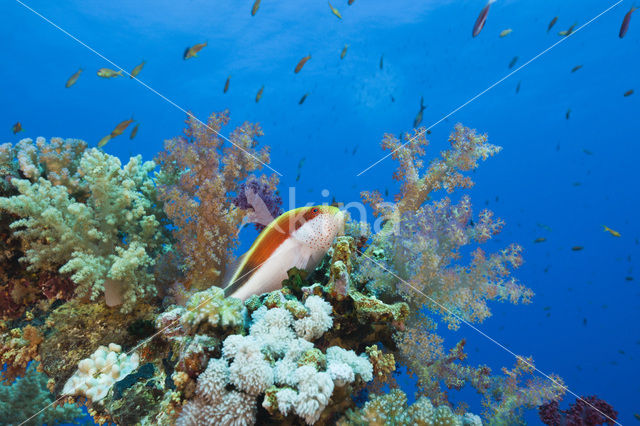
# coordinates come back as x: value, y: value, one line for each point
x: 298, y: 238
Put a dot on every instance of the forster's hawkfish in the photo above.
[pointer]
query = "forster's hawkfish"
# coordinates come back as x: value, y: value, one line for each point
x: 301, y: 63
x: 137, y: 69
x: 482, y: 18
x: 298, y: 238
x: 625, y: 22
x: 72, y: 80
x: 335, y: 11
x: 192, y: 52
x: 418, y: 119
x: 109, y: 73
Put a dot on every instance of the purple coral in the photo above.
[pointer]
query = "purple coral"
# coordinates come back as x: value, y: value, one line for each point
x: 586, y: 411
x: 259, y: 197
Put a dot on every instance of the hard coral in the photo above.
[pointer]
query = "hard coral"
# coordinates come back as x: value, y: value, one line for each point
x: 196, y: 179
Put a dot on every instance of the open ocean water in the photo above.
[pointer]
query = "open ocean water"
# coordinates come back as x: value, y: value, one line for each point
x: 571, y: 147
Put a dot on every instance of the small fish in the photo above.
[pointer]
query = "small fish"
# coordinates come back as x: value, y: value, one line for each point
x: 628, y: 93
x: 518, y: 87
x: 344, y: 51
x: 350, y: 2
x: 259, y: 94
x: 104, y: 141
x: 540, y: 240
x: 568, y: 32
x: 552, y: 23
x: 302, y: 99
x: 576, y: 183
x: 482, y: 18
x: 567, y: 115
x: 628, y: 278
x: 298, y: 238
x: 611, y: 231
x: 381, y: 61
x: 121, y: 127
x: 301, y: 63
x: 335, y: 11
x: 16, y: 128
x: 134, y: 131
x: 625, y: 22
x: 543, y: 226
x: 506, y: 32
x: 576, y: 68
x: 418, y: 119
x: 577, y: 248
x: 584, y: 321
x: 226, y: 85
x: 108, y: 73
x: 72, y: 80
x: 256, y: 6
x: 586, y: 151
x: 137, y: 69
x: 192, y: 52
x: 513, y: 62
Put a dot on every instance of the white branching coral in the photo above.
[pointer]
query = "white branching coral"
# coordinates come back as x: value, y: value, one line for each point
x: 279, y: 360
x: 211, y: 306
x: 90, y: 217
x: 96, y: 374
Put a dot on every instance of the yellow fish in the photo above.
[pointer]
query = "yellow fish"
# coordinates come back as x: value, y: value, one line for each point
x: 335, y: 11
x: 611, y: 231
x: 298, y: 238
x: 72, y: 80
x: 108, y: 73
x: 137, y: 69
x: 192, y: 52
x: 259, y: 94
x: 506, y: 32
x: 104, y: 141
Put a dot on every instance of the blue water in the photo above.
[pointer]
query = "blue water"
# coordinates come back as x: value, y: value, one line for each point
x: 428, y: 51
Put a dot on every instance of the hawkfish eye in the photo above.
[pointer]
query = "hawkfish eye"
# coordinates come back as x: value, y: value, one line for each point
x: 314, y: 210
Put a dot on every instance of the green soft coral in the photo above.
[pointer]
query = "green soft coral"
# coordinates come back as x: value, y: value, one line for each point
x: 110, y: 234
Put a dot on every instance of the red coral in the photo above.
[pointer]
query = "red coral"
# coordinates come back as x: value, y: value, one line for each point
x: 586, y: 411
x: 54, y: 286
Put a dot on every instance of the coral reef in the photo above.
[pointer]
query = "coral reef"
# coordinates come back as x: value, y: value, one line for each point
x: 324, y: 349
x: 196, y: 176
x: 587, y: 411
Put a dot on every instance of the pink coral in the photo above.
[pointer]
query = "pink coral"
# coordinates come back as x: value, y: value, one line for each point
x: 586, y: 411
x: 197, y: 177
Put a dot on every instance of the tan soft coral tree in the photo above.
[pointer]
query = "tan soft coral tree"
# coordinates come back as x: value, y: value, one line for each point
x: 419, y: 255
x: 198, y: 175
